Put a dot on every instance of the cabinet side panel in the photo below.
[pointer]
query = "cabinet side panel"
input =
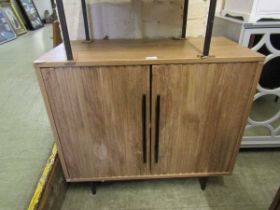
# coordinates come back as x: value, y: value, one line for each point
x: 98, y: 114
x: 38, y: 72
x: 201, y: 115
x: 259, y: 68
x: 233, y: 94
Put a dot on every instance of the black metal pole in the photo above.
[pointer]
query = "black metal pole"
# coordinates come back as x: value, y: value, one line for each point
x: 84, y: 8
x: 64, y: 29
x: 185, y: 17
x: 209, y: 28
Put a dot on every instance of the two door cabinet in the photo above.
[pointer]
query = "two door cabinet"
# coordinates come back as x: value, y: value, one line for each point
x: 148, y: 109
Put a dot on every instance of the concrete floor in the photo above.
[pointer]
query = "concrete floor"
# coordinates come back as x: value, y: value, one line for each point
x: 253, y: 185
x: 25, y: 134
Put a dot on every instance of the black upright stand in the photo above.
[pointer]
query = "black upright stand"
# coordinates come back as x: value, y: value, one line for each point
x: 209, y: 28
x: 185, y: 18
x: 63, y: 24
x: 84, y: 9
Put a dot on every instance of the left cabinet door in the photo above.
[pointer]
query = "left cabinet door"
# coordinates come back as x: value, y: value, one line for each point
x: 99, y: 115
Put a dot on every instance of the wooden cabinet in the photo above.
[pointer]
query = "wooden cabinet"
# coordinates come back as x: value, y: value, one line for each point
x: 126, y: 116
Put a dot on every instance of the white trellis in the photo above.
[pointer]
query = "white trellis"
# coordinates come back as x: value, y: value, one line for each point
x: 266, y: 31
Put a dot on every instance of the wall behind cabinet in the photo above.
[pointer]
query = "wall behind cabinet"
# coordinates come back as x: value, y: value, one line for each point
x: 137, y: 18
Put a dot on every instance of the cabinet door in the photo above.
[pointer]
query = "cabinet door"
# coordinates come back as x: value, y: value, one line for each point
x: 98, y: 113
x: 199, y: 111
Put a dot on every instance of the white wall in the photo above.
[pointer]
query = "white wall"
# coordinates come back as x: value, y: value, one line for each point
x: 136, y: 18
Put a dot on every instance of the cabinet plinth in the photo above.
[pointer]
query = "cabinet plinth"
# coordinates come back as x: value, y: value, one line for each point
x: 148, y: 109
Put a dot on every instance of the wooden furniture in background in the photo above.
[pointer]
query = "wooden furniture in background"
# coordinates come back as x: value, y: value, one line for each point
x: 148, y: 109
x: 57, y: 40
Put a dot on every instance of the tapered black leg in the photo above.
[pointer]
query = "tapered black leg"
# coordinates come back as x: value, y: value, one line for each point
x: 276, y: 99
x: 203, y: 182
x: 93, y: 187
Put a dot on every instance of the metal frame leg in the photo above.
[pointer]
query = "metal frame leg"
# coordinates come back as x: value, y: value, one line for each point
x: 209, y: 28
x: 203, y: 182
x: 64, y: 29
x: 185, y: 17
x: 85, y: 16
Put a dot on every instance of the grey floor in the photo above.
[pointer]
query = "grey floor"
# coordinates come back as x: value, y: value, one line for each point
x: 25, y: 134
x: 252, y: 187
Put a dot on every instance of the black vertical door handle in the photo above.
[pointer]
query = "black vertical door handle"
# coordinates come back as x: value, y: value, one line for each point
x: 157, y: 128
x: 144, y: 133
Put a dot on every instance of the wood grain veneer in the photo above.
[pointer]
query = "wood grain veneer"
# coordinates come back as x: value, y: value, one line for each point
x: 135, y: 52
x: 202, y: 110
x: 148, y: 177
x: 97, y: 113
x: 96, y: 110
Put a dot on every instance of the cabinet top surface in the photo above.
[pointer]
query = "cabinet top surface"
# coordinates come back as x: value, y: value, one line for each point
x: 166, y: 51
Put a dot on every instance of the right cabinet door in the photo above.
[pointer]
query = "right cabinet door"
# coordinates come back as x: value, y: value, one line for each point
x: 198, y: 116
